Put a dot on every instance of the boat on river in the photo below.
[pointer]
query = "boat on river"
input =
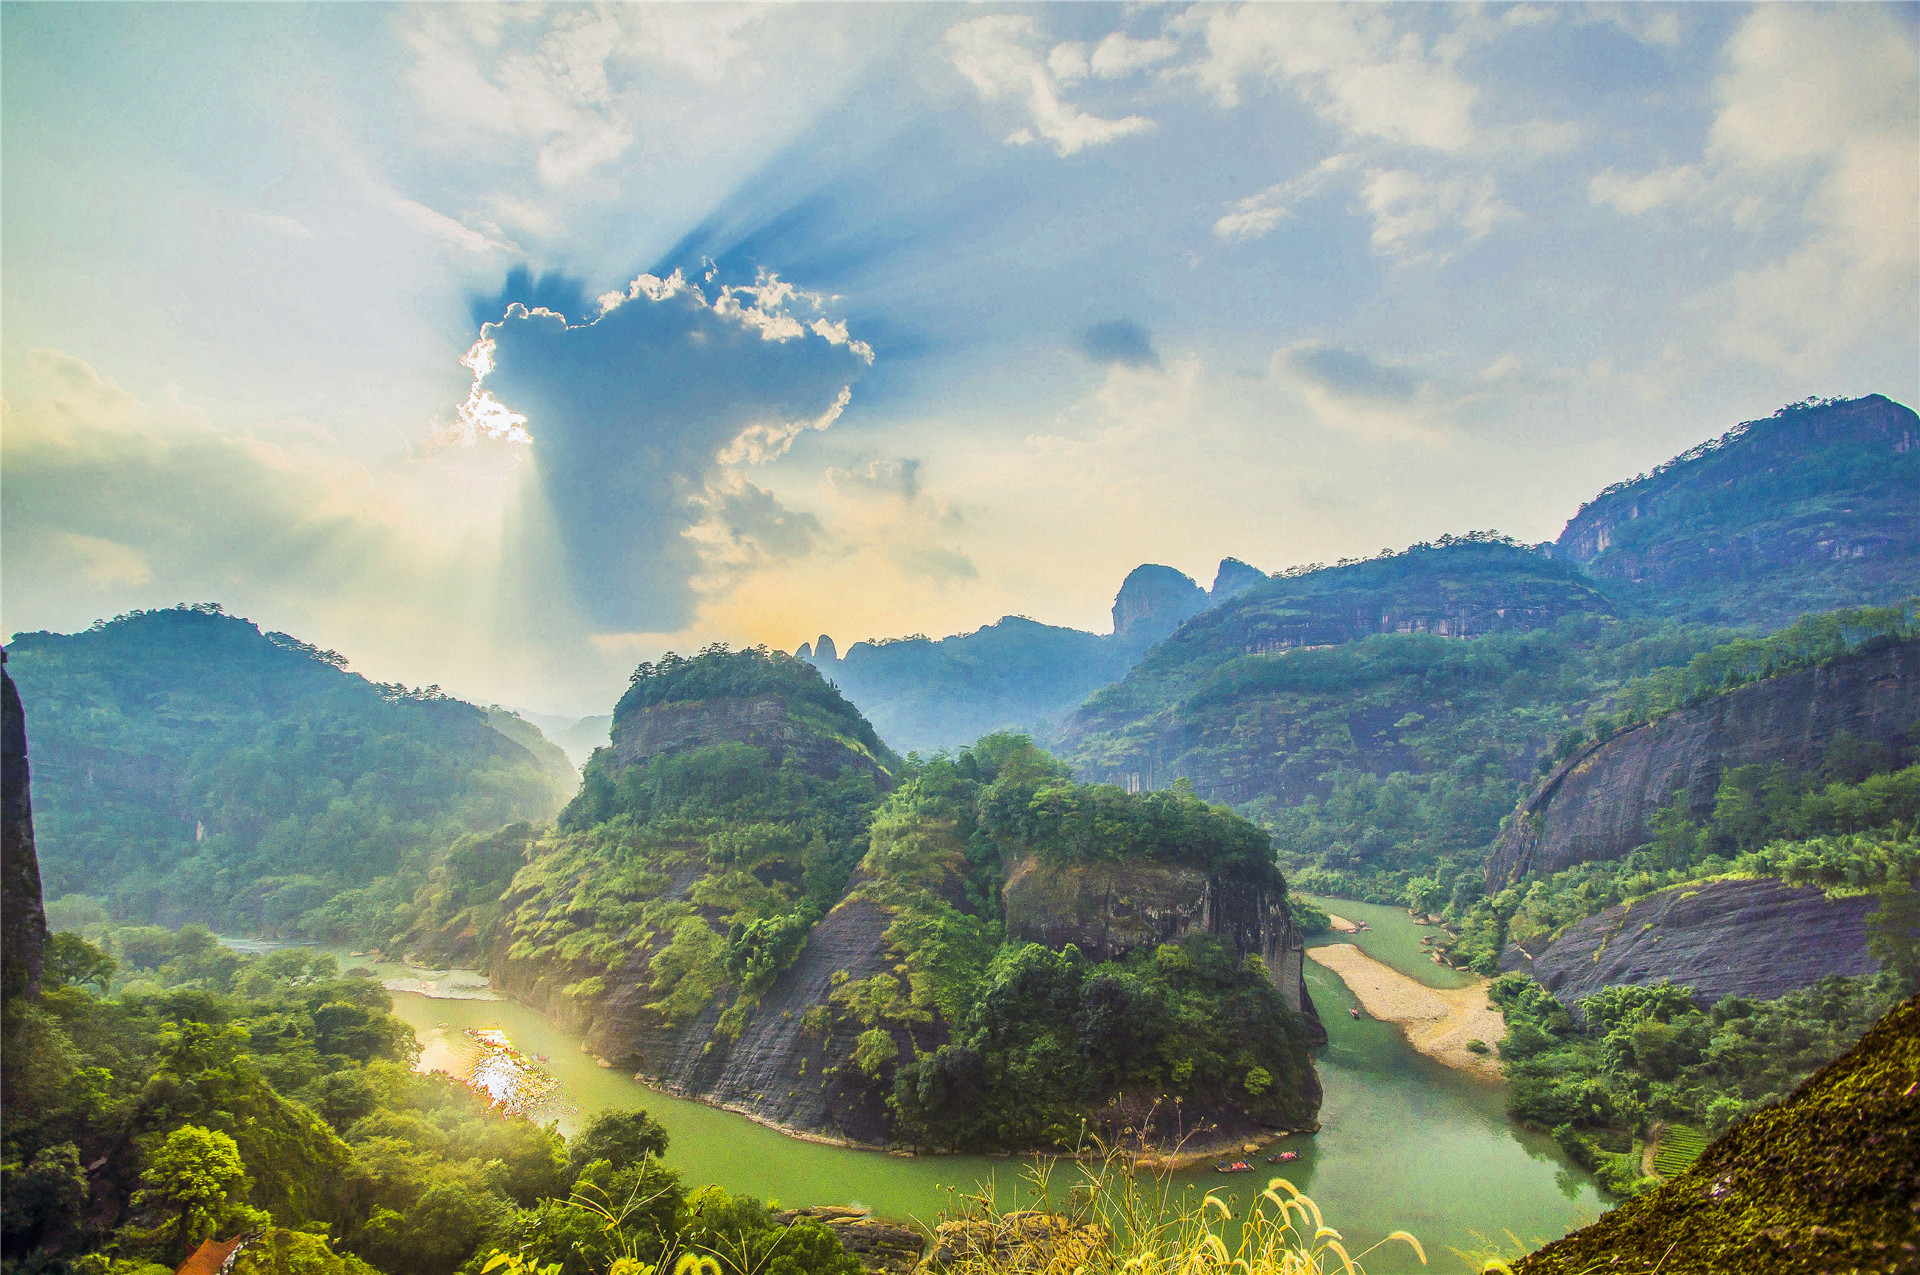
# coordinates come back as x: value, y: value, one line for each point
x: 1238, y: 1166
x: 1283, y: 1157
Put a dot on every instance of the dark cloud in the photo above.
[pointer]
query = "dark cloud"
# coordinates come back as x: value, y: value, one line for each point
x: 1118, y: 341
x: 1351, y: 374
x: 560, y: 293
x: 637, y: 416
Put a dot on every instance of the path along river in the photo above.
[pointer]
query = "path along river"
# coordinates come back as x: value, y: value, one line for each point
x: 1406, y: 1143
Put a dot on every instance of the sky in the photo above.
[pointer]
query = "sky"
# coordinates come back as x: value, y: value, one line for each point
x: 501, y: 348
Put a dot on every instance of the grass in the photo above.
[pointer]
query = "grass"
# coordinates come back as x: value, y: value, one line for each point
x: 1680, y: 1145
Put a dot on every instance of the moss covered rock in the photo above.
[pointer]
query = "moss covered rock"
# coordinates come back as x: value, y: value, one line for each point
x: 1827, y: 1181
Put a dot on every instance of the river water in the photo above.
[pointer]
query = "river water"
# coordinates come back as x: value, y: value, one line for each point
x: 1405, y: 1143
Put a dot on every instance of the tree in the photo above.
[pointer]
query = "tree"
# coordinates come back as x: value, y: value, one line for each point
x: 623, y: 1138
x: 73, y: 961
x: 1893, y: 934
x: 196, y: 1176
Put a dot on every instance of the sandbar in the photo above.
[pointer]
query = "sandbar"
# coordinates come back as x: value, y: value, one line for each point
x: 1438, y: 1021
x: 1342, y: 925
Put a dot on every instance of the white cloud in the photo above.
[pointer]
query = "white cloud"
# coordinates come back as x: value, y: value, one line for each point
x: 1410, y: 211
x: 1684, y: 184
x: 1816, y: 121
x: 1350, y: 64
x: 1257, y: 214
x: 997, y: 55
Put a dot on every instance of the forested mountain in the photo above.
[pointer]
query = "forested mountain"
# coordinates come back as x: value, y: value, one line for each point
x: 1018, y: 674
x: 753, y: 901
x: 1812, y: 508
x: 187, y: 766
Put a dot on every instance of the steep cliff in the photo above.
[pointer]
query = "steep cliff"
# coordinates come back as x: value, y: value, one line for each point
x: 1597, y: 805
x: 1758, y: 938
x: 1152, y: 602
x: 1826, y: 1181
x: 1109, y: 910
x: 1809, y: 509
x: 23, y: 923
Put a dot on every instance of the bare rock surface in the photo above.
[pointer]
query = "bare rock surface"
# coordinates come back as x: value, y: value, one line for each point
x: 1759, y: 938
x: 1599, y: 804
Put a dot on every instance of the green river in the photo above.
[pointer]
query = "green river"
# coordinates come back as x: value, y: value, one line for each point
x: 1405, y: 1143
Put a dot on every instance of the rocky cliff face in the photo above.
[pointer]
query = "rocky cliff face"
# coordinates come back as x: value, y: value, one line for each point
x: 1110, y: 909
x: 762, y: 721
x: 1807, y: 510
x: 1722, y: 938
x: 778, y: 1070
x: 1599, y: 803
x: 23, y: 924
x: 1152, y: 601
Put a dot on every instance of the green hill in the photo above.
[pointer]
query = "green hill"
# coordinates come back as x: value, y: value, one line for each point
x: 1810, y: 509
x: 187, y: 767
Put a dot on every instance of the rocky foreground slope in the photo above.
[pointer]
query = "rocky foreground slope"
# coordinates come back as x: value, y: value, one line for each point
x: 1828, y: 1181
x: 1600, y: 802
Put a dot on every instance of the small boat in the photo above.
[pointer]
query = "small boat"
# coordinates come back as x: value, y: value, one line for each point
x: 1354, y: 1012
x: 1238, y: 1166
x: 1283, y: 1157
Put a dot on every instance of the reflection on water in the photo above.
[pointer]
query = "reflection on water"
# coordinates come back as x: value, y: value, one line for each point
x: 486, y: 1061
x: 1406, y: 1143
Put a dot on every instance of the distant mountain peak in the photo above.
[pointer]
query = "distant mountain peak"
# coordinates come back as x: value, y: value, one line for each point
x: 1234, y: 576
x: 1152, y: 602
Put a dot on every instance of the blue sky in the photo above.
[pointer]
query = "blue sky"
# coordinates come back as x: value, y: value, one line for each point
x: 882, y: 319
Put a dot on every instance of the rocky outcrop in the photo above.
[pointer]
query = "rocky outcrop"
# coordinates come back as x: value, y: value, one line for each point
x: 23, y: 922
x: 1234, y: 576
x: 762, y: 721
x: 882, y: 1248
x: 1758, y: 938
x: 1109, y: 909
x: 1152, y: 602
x: 781, y: 1069
x: 1598, y: 804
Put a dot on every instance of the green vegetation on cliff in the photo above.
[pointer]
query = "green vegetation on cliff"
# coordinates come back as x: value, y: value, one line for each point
x: 1809, y: 509
x: 188, y: 767
x: 1824, y: 1181
x: 1041, y: 1040
x: 211, y: 1092
x: 1652, y: 1054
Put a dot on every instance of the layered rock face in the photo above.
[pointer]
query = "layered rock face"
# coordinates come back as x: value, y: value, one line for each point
x: 1109, y: 909
x: 777, y: 1070
x: 763, y: 722
x: 1722, y: 938
x: 1599, y: 803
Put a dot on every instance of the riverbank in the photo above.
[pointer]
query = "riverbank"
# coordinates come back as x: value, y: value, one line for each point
x: 1439, y: 1022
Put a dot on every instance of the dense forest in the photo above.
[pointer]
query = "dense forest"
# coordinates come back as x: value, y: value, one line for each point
x: 189, y: 767
x: 164, y: 1089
